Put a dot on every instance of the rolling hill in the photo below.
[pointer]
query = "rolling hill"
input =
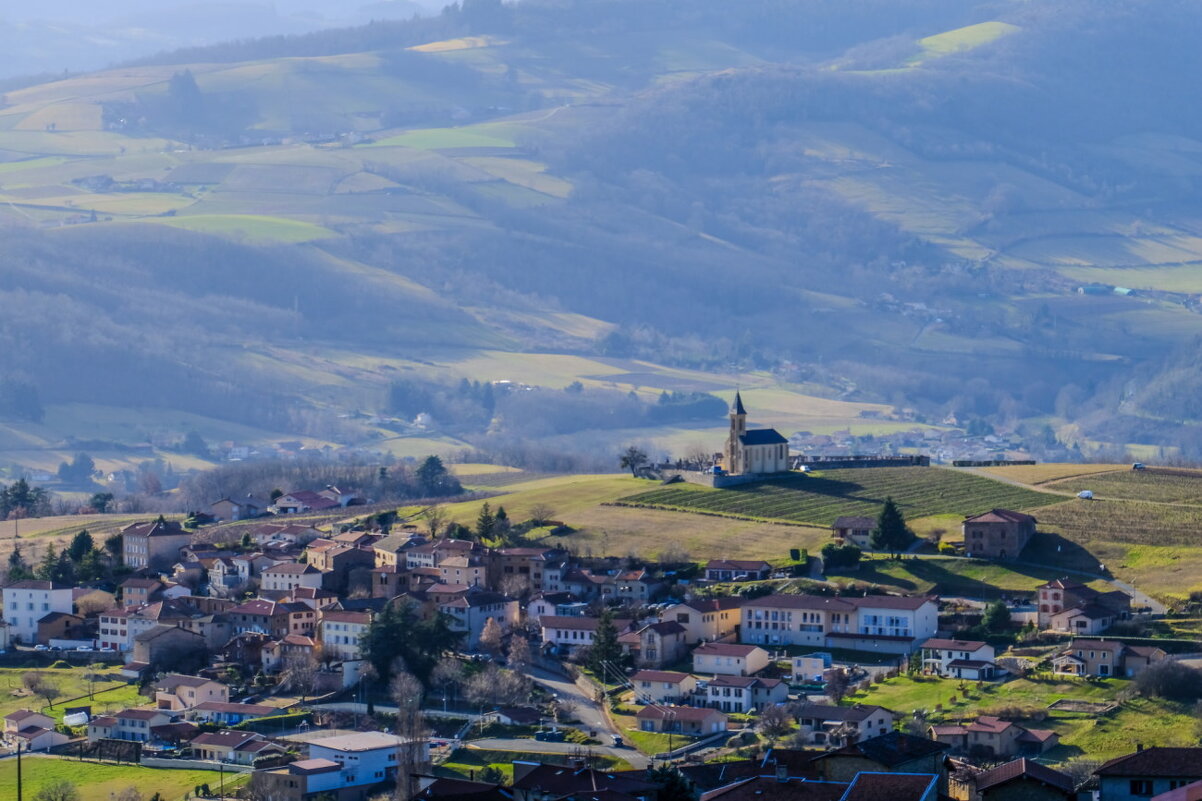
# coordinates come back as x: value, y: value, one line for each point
x: 929, y: 208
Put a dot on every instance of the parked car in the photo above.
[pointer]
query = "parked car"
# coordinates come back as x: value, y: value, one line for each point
x: 549, y: 736
x: 618, y: 742
x: 1085, y: 495
x: 1138, y: 466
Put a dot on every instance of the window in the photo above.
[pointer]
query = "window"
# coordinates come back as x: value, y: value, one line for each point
x: 1141, y: 787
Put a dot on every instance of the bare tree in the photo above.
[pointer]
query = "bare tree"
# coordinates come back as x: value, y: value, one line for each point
x: 299, y: 672
x: 515, y: 585
x: 129, y: 794
x: 519, y: 653
x: 39, y: 684
x: 447, y: 676
x: 406, y: 692
x: 436, y: 519
x: 61, y: 790
x: 490, y: 638
x: 775, y: 722
x: 541, y: 514
x: 837, y: 686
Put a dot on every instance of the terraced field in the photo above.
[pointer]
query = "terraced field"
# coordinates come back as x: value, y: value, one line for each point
x: 1159, y: 484
x: 1124, y: 521
x: 819, y: 498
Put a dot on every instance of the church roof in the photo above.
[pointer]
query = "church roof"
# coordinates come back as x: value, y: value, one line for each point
x: 762, y: 436
x: 738, y: 405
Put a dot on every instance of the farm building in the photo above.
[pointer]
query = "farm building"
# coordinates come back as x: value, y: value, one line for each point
x: 998, y: 534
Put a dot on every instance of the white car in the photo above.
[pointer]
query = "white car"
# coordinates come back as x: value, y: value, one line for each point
x: 1085, y: 495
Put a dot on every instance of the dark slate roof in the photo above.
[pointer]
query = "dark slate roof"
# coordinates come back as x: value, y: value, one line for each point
x: 762, y: 436
x: 739, y: 403
x: 889, y: 787
x: 1168, y: 763
x: 892, y: 749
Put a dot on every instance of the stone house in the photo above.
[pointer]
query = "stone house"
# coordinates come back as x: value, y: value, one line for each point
x: 662, y: 686
x: 997, y: 534
x: 167, y: 645
x: 288, y: 576
x: 994, y: 738
x: 656, y: 645
x: 851, y: 530
x: 153, y: 544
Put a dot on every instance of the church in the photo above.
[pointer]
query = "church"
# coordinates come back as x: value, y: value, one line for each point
x: 761, y: 450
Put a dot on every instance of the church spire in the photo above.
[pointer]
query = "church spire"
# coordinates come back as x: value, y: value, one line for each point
x: 738, y: 405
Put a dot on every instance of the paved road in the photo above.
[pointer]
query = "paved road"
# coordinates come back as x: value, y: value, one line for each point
x: 588, y: 711
x: 632, y: 756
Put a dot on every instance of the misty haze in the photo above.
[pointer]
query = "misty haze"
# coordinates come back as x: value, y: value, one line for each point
x: 675, y: 399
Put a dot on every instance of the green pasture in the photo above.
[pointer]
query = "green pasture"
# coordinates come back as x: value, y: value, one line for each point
x: 101, y: 781
x: 445, y: 138
x: 252, y: 228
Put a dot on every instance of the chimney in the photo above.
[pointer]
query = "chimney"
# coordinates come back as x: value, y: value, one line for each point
x: 1139, y: 747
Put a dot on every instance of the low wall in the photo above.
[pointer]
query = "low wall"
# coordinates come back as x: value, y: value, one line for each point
x: 193, y: 764
x: 858, y: 462
x: 719, y: 481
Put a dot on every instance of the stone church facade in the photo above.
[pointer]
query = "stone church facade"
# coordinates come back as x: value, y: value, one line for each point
x: 755, y: 451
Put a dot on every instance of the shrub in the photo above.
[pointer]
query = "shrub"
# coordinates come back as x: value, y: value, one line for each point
x: 61, y: 664
x: 1171, y: 680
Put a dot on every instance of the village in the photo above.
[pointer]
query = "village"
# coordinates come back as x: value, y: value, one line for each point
x: 383, y: 655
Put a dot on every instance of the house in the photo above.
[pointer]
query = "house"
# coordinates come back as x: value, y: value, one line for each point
x: 60, y: 626
x: 755, y: 451
x: 238, y: 747
x: 1019, y: 779
x: 662, y: 686
x: 887, y: 623
x: 855, y: 531
x: 28, y: 601
x: 240, y: 509
x: 39, y: 738
x: 431, y: 554
x: 519, y: 569
x: 567, y: 634
x: 309, y: 779
x: 336, y: 561
x: 1106, y: 658
x: 468, y: 609
x: 534, y: 781
x: 128, y: 724
x: 866, y: 786
x: 275, y: 654
x: 1091, y: 618
x: 153, y: 544
x: 223, y: 713
x: 894, y: 752
x: 991, y: 737
x: 342, y: 632
x: 656, y: 644
x: 836, y: 726
x: 729, y: 659
x: 554, y: 604
x: 471, y: 570
x: 177, y: 692
x: 707, y: 620
x: 289, y: 576
x: 997, y: 534
x: 301, y: 501
x: 960, y: 659
x: 260, y: 615
x: 742, y: 693
x: 1148, y: 772
x: 688, y: 720
x: 140, y: 591
x: 368, y: 754
x: 168, y: 645
x: 390, y: 551
x: 737, y: 570
x: 340, y: 496
x: 24, y: 720
x: 1064, y: 594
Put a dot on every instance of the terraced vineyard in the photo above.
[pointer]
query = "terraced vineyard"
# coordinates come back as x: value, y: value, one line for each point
x: 1161, y: 484
x: 819, y: 498
x: 1124, y: 521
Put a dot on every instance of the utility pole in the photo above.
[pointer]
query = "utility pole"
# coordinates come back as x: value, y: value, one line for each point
x: 19, y: 770
x: 221, y: 780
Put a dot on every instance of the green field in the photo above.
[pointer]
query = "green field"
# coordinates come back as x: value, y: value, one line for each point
x: 444, y: 138
x: 1155, y: 484
x: 250, y: 227
x: 111, y: 694
x: 971, y: 578
x: 1150, y: 722
x: 818, y: 498
x: 100, y: 782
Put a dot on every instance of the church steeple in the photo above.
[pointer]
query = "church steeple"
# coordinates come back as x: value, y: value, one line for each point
x: 738, y: 416
x: 738, y: 406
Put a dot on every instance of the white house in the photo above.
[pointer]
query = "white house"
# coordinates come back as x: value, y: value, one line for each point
x: 729, y: 659
x: 368, y: 755
x: 569, y: 633
x: 742, y: 693
x: 289, y: 576
x: 888, y: 623
x: 342, y: 631
x: 662, y: 686
x: 26, y: 602
x: 959, y: 659
x: 826, y: 725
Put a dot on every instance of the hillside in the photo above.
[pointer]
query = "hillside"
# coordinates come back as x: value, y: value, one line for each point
x: 217, y: 256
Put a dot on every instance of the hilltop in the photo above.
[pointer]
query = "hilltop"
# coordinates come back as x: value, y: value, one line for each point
x: 256, y: 240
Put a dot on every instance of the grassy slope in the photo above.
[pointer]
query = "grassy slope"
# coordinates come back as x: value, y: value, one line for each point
x: 1100, y: 737
x: 820, y: 497
x: 98, y: 782
x: 112, y: 693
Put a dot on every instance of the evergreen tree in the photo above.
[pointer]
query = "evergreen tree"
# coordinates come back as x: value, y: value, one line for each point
x: 673, y: 786
x: 605, y: 653
x: 48, y: 567
x: 996, y: 618
x: 90, y: 566
x: 501, y: 523
x: 100, y: 501
x: 891, y: 533
x: 81, y: 546
x: 18, y: 569
x: 486, y: 524
x: 400, y: 631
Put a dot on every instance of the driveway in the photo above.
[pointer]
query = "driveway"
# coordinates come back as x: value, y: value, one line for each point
x: 588, y: 711
x: 636, y: 759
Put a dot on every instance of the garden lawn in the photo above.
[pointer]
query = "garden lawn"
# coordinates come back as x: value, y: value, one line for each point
x: 649, y: 742
x: 99, y: 781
